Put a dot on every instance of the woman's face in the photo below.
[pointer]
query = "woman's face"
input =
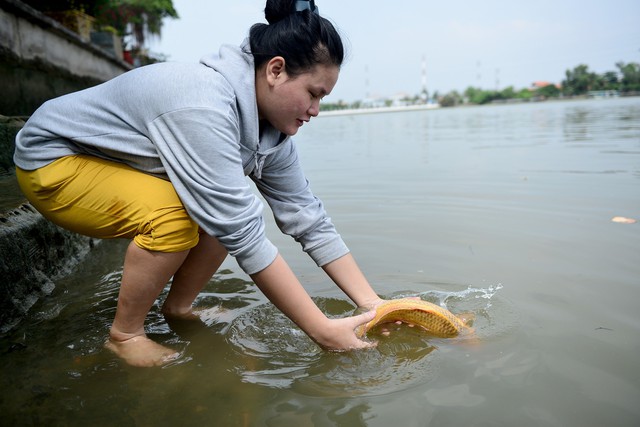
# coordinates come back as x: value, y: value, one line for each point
x: 288, y: 102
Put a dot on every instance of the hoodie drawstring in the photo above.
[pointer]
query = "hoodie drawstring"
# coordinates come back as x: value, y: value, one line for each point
x: 259, y: 164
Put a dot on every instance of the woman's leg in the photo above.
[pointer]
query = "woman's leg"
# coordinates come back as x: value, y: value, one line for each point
x: 144, y: 276
x: 104, y: 199
x: 202, y: 262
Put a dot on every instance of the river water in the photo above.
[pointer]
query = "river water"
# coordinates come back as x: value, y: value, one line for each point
x: 503, y: 211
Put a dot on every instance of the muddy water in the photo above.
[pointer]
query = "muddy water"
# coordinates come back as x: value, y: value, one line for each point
x: 503, y: 211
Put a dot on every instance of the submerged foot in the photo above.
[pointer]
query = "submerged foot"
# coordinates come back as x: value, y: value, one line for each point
x: 142, y: 352
x: 180, y: 313
x: 204, y: 315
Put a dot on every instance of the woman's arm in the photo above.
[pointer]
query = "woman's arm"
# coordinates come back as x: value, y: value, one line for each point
x: 347, y: 275
x: 283, y: 289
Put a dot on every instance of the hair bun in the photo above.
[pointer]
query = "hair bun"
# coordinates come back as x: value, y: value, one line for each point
x: 296, y: 32
x: 277, y: 10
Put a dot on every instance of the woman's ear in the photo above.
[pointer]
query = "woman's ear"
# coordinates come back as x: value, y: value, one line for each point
x: 275, y: 70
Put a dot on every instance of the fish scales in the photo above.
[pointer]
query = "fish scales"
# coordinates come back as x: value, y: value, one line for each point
x: 431, y: 317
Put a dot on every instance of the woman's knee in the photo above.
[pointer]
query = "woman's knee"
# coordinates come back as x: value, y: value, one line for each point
x: 168, y: 229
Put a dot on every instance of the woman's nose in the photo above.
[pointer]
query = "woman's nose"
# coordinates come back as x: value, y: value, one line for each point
x: 314, y: 108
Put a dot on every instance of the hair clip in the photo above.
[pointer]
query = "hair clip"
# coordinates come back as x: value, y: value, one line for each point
x: 307, y: 5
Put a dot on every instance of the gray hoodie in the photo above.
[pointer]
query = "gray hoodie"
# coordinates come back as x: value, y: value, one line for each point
x: 196, y: 125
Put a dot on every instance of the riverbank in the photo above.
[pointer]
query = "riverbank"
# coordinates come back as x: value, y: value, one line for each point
x: 602, y: 95
x: 376, y: 110
x: 34, y: 253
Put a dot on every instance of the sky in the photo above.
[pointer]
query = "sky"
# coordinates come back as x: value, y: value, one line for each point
x: 395, y: 46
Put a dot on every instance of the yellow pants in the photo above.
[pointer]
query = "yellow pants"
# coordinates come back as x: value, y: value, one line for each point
x: 105, y: 199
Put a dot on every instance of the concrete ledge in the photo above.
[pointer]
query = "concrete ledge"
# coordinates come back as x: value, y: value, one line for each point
x: 33, y: 254
x: 9, y: 128
x: 32, y: 35
x: 40, y: 59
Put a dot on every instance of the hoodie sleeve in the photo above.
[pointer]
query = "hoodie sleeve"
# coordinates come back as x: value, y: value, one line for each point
x: 297, y: 211
x: 201, y: 153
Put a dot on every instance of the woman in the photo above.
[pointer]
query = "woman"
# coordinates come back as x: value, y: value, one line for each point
x: 160, y: 154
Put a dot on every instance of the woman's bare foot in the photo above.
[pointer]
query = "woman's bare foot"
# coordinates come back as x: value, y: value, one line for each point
x: 141, y: 351
x: 205, y: 315
x: 180, y: 313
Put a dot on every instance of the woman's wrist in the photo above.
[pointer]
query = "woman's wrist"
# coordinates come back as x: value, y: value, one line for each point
x: 319, y: 330
x: 345, y: 272
x: 371, y: 303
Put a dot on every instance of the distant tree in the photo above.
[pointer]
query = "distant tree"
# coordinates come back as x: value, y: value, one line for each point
x: 508, y: 93
x: 479, y: 96
x: 548, y: 91
x: 135, y: 19
x: 451, y: 99
x: 475, y: 95
x: 579, y: 80
x: 524, y: 94
x: 138, y: 19
x: 630, y: 80
x: 610, y: 80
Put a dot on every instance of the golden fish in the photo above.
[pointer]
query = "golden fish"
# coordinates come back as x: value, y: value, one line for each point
x: 435, y: 319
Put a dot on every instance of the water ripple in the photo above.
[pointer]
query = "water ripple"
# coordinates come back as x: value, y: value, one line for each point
x: 274, y: 352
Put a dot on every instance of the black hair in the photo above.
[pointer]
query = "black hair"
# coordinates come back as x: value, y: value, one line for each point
x: 304, y: 39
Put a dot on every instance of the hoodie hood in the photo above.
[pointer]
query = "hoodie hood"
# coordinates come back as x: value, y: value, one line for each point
x: 236, y: 65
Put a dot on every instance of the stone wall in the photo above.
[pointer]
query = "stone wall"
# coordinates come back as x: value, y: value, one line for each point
x: 9, y: 127
x: 33, y: 251
x: 40, y: 59
x: 33, y: 254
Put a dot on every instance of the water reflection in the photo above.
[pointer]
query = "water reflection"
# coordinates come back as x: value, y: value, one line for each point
x: 501, y: 211
x: 275, y: 353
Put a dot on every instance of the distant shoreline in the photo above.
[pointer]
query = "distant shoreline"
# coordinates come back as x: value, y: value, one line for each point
x: 377, y: 110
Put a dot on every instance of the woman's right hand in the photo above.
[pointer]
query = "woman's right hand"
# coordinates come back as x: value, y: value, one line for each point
x: 339, y: 334
x: 283, y: 289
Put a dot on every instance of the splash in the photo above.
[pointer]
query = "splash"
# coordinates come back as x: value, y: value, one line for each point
x: 467, y: 294
x: 274, y: 353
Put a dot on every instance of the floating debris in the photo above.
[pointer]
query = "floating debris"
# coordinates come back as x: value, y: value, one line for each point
x: 623, y: 220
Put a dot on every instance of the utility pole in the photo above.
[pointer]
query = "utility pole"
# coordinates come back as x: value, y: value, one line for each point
x: 425, y: 94
x: 366, y: 82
